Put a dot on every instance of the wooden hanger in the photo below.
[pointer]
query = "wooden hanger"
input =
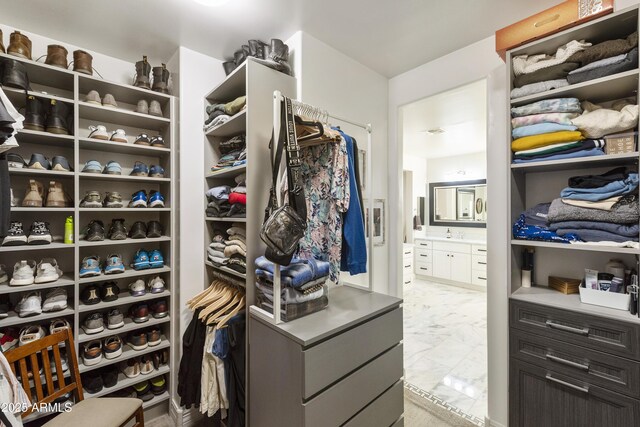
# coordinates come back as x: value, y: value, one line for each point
x: 229, y: 306
x: 223, y: 321
x: 194, y: 301
x: 226, y: 295
x: 210, y: 294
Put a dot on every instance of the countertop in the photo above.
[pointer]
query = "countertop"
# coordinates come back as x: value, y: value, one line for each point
x: 453, y: 240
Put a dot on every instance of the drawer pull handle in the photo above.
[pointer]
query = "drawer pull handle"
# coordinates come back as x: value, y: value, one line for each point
x: 482, y: 263
x: 583, y: 331
x: 567, y: 362
x: 406, y: 283
x: 407, y: 266
x: 566, y: 384
x: 423, y: 268
x: 482, y: 250
x: 425, y: 256
x: 407, y: 253
x: 482, y: 278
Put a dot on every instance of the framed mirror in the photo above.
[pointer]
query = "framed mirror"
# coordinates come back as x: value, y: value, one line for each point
x: 458, y: 204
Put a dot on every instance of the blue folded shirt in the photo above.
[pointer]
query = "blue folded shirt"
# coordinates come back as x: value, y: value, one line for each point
x: 540, y: 128
x: 296, y: 274
x: 612, y: 189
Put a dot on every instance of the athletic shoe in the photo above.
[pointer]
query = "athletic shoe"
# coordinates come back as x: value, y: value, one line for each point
x: 141, y: 260
x: 91, y: 199
x: 30, y: 334
x: 92, y: 381
x: 4, y: 277
x: 109, y: 292
x: 156, y: 260
x: 159, y: 309
x: 154, y: 229
x: 156, y: 200
x: 98, y: 132
x: 118, y: 135
x: 117, y: 231
x: 112, y: 168
x: 94, y: 231
x: 15, y: 161
x: 140, y: 313
x: 115, y: 319
x: 48, y: 271
x: 55, y: 300
x: 30, y: 304
x: 154, y: 337
x: 39, y: 233
x: 89, y: 295
x: 110, y: 376
x: 130, y: 368
x: 8, y: 339
x: 114, y: 264
x: 23, y: 273
x: 90, y: 266
x: 60, y: 163
x: 93, y: 97
x: 64, y: 363
x: 92, y: 166
x: 93, y: 324
x: 156, y: 285
x: 156, y: 171
x: 38, y: 161
x: 158, y: 385
x: 139, y: 199
x: 139, y: 169
x: 137, y: 288
x: 92, y: 353
x: 112, y: 347
x: 137, y: 341
x: 15, y: 236
x: 143, y: 391
x: 113, y: 199
x: 146, y: 364
x: 59, y: 325
x: 138, y: 230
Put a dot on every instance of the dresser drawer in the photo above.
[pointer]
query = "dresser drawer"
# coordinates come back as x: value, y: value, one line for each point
x: 424, y: 269
x: 594, y: 367
x: 479, y: 262
x: 384, y: 411
x: 419, y: 243
x: 478, y: 249
x: 407, y: 271
x: 598, y: 333
x: 479, y: 278
x: 407, y: 252
x: 423, y: 255
x: 461, y: 248
x: 331, y: 360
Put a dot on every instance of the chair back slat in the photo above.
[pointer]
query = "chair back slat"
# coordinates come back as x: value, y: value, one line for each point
x: 37, y: 379
x: 47, y: 371
x: 72, y: 361
x: 24, y: 377
x: 57, y: 359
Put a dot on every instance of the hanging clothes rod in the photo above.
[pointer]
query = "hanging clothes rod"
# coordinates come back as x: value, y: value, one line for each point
x: 227, y: 278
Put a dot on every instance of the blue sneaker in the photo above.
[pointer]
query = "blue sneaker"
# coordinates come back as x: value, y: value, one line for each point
x: 112, y: 168
x: 155, y: 259
x: 156, y: 200
x: 140, y: 169
x: 141, y: 260
x: 92, y: 166
x: 139, y: 199
x: 156, y: 171
x: 90, y: 266
x: 114, y: 264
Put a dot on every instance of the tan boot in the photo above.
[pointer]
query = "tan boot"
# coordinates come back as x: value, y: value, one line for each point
x: 56, y: 197
x: 57, y: 56
x: 34, y: 194
x: 19, y: 45
x: 82, y: 62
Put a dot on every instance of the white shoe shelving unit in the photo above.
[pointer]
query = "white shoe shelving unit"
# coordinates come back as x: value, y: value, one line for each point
x: 52, y: 83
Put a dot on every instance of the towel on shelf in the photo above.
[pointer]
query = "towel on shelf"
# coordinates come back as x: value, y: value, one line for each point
x: 605, y: 49
x: 533, y: 88
x: 597, y: 121
x: 628, y: 63
x: 555, y: 105
x: 621, y: 213
x: 536, y: 141
x: 540, y: 128
x: 559, y: 118
x: 526, y: 64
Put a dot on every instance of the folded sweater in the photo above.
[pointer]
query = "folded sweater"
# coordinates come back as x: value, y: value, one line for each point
x: 535, y: 141
x: 629, y: 63
x: 562, y: 156
x: 554, y: 72
x: 296, y: 274
x: 540, y: 128
x: 559, y: 118
x: 612, y: 189
x: 620, y: 214
x: 525, y: 64
x: 555, y: 105
x: 597, y: 121
x: 596, y: 235
x: 630, y: 230
x: 605, y: 49
x: 554, y: 150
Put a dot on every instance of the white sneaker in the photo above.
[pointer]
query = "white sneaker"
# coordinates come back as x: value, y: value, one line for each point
x: 137, y: 288
x: 58, y: 325
x: 156, y: 285
x: 98, y: 132
x: 118, y: 136
x: 55, y: 300
x: 31, y: 333
x: 30, y: 304
x: 48, y: 271
x: 4, y: 277
x: 63, y: 362
x: 23, y: 273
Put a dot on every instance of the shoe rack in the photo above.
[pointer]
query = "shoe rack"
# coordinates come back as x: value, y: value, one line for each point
x: 52, y: 83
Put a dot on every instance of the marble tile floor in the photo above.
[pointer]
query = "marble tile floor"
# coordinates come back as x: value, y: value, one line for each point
x: 445, y: 344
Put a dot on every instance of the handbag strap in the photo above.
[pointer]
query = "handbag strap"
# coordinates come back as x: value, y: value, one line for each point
x: 294, y: 163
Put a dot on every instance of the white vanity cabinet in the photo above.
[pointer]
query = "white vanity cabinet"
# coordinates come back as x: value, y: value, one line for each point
x: 407, y: 264
x: 449, y: 260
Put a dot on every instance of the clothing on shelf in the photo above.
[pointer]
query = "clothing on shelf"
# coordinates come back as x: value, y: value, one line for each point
x: 620, y: 213
x: 560, y: 156
x: 542, y: 140
x: 605, y: 49
x: 605, y: 67
x: 605, y: 205
x: 561, y: 148
x: 218, y: 114
x: 540, y: 128
x: 555, y: 72
x: 612, y: 189
x: 596, y: 181
x: 533, y: 88
x: 523, y: 231
x: 597, y: 121
x: 229, y: 248
x: 220, y: 205
x: 537, y: 215
x: 555, y: 105
x: 559, y: 118
x: 526, y: 64
x: 232, y: 153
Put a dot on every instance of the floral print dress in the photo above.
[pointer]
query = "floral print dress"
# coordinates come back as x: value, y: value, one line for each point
x: 325, y: 173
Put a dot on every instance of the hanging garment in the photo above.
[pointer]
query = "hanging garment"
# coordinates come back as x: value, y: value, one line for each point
x: 213, y: 386
x: 356, y: 166
x: 5, y: 196
x: 325, y: 174
x: 235, y: 365
x: 190, y: 371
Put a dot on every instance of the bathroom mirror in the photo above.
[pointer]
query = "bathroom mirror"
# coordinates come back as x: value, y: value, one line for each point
x: 458, y: 204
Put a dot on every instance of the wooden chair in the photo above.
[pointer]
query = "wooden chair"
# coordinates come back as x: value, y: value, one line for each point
x: 103, y: 412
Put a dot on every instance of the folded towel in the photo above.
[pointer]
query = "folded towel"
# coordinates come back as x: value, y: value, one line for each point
x: 539, y: 129
x: 630, y: 230
x: 555, y: 105
x: 597, y: 121
x: 535, y: 141
x: 559, y: 118
x: 626, y: 213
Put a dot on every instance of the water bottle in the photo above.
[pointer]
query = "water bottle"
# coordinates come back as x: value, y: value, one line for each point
x: 68, y: 231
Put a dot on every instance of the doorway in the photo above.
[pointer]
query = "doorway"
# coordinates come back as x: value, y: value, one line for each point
x: 444, y: 253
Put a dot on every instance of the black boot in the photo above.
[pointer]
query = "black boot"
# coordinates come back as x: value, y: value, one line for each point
x: 278, y: 57
x: 34, y: 114
x: 14, y: 74
x: 143, y: 71
x: 228, y: 66
x: 161, y: 79
x: 58, y: 118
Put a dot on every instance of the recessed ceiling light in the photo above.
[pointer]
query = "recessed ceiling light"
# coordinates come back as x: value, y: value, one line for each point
x: 212, y: 3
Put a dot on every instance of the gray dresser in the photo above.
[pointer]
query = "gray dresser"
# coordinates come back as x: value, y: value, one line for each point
x: 339, y: 367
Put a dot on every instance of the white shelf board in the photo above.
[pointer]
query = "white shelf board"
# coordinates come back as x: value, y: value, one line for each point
x: 120, y: 116
x: 124, y: 381
x: 41, y: 172
x: 50, y: 246
x: 124, y: 298
x: 236, y: 125
x: 576, y: 247
x: 26, y: 136
x: 226, y: 270
x: 126, y: 275
x: 225, y: 219
x: 28, y: 209
x: 14, y: 93
x: 14, y: 319
x: 121, y: 92
x: 107, y: 177
x: 127, y: 241
x: 579, y: 163
x: 233, y: 86
x: 231, y: 172
x: 119, y: 147
x: 41, y: 73
x: 129, y: 325
x: 65, y: 280
x: 125, y: 209
x: 127, y: 353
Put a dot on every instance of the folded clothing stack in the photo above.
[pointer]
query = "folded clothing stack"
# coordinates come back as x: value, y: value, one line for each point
x: 605, y: 59
x: 597, y: 121
x: 218, y: 114
x: 235, y: 249
x: 215, y: 251
x: 221, y: 204
x: 233, y: 152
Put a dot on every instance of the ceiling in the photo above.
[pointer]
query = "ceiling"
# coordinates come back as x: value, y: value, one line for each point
x: 390, y: 37
x: 460, y: 112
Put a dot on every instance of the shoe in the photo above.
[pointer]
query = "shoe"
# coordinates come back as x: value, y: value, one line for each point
x: 143, y: 70
x: 110, y: 376
x: 229, y: 66
x: 57, y: 197
x: 157, y: 141
x: 14, y: 200
x: 98, y: 132
x: 115, y: 319
x: 109, y: 292
x: 156, y: 260
x: 8, y: 339
x: 112, y: 168
x: 142, y: 107
x: 158, y: 385
x: 31, y: 333
x: 146, y: 364
x: 15, y: 74
x: 4, y: 277
x: 156, y: 171
x: 112, y: 347
x: 154, y: 337
x: 39, y: 233
x: 34, y: 195
x: 93, y: 97
x: 161, y: 79
x: 38, y: 161
x: 141, y: 260
x: 90, y: 266
x: 91, y: 199
x: 64, y: 362
x: 109, y: 101
x: 5, y: 306
x: 137, y: 288
x: 95, y: 231
x: 127, y: 392
x: 139, y: 199
x: 48, y: 271
x: 258, y: 49
x: 58, y: 325
x: 118, y: 135
x: 112, y: 199
x: 142, y: 139
x: 140, y: 313
x: 58, y: 118
x: 90, y: 295
x: 55, y: 300
x: 137, y: 341
x: 154, y: 109
x: 139, y: 169
x: 114, y: 264
x: 23, y: 273
x: 60, y: 163
x: 138, y: 230
x: 34, y: 116
x: 130, y: 368
x: 57, y: 56
x: 15, y: 161
x: 15, y: 235
x: 143, y: 391
x: 92, y: 166
x: 156, y: 200
x: 19, y: 45
x: 93, y: 324
x: 92, y: 353
x: 278, y: 58
x: 154, y: 229
x: 30, y: 304
x: 117, y: 231
x: 156, y: 285
x: 82, y: 62
x: 92, y: 381
x: 159, y: 309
